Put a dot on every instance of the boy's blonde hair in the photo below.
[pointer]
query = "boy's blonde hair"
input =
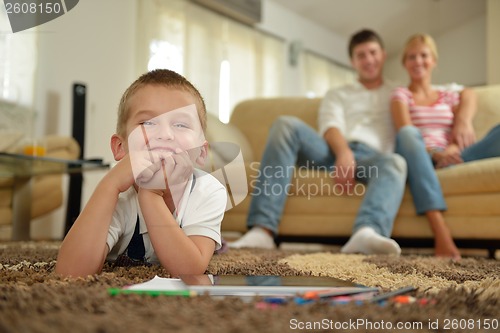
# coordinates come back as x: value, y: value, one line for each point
x: 425, y: 39
x: 161, y: 77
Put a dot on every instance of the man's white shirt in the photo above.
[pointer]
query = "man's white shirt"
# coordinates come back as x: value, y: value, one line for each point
x: 360, y: 114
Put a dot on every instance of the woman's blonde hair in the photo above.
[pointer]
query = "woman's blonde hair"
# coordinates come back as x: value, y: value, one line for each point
x: 425, y: 39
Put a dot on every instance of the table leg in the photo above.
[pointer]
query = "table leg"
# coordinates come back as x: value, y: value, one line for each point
x: 21, y: 209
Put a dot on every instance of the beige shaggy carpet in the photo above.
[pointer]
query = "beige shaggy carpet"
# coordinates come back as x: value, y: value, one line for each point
x: 461, y: 296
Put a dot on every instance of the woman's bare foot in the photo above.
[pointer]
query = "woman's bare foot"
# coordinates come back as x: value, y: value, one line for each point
x: 444, y: 246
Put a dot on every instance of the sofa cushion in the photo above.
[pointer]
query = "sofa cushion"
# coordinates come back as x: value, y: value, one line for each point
x: 5, y: 216
x: 469, y: 178
x: 472, y: 177
x: 5, y: 196
x: 255, y: 117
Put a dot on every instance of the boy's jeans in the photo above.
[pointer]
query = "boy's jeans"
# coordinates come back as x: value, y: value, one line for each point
x: 424, y: 184
x: 293, y: 143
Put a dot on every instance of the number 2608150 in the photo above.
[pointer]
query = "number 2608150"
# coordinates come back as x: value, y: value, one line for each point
x: 473, y: 324
x: 33, y: 8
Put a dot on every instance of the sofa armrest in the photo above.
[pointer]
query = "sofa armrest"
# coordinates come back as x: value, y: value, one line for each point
x: 47, y: 193
x: 220, y: 132
x: 488, y: 109
x: 60, y: 146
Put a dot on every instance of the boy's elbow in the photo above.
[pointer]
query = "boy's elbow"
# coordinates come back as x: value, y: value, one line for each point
x: 66, y: 272
x: 63, y: 265
x: 71, y: 265
x: 74, y: 271
x: 193, y: 268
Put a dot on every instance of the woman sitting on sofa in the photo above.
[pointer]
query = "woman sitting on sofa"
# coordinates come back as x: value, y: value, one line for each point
x: 425, y: 119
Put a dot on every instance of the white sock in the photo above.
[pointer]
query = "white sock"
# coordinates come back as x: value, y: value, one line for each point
x: 367, y: 241
x: 257, y: 237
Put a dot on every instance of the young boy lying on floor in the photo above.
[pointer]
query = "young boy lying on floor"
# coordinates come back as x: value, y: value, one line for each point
x: 154, y: 205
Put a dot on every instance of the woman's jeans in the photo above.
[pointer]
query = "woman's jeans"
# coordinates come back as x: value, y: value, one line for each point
x: 422, y: 179
x: 293, y: 144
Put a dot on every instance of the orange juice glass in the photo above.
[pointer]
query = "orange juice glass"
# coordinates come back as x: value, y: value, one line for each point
x: 34, y: 150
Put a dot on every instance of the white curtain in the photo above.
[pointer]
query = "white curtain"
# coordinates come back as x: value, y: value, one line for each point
x: 18, y: 59
x: 17, y: 63
x: 321, y: 74
x: 196, y: 42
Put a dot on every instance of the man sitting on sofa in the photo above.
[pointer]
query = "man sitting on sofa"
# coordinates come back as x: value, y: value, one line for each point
x: 355, y: 141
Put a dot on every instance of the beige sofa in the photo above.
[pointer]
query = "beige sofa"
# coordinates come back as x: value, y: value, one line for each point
x: 472, y: 190
x: 47, y: 191
x: 16, y: 122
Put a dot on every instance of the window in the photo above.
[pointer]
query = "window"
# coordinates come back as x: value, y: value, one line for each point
x: 163, y: 54
x: 17, y: 63
x: 321, y: 74
x: 227, y: 61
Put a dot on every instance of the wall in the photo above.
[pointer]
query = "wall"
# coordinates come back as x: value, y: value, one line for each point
x: 94, y: 44
x: 291, y: 27
x: 493, y: 41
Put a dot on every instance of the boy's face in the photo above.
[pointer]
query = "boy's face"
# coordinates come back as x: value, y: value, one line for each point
x: 368, y: 61
x: 165, y: 139
x: 164, y: 121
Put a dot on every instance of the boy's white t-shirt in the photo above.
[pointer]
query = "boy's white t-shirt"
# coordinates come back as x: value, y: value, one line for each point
x: 200, y: 213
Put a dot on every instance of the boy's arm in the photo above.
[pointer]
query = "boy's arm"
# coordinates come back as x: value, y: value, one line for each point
x: 463, y: 131
x: 177, y: 252
x: 84, y: 248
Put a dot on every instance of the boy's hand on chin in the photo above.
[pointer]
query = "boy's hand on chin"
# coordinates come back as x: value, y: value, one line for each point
x: 149, y: 174
x: 169, y: 169
x: 178, y: 167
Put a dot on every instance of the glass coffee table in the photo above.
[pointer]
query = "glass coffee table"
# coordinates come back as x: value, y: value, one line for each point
x: 22, y: 169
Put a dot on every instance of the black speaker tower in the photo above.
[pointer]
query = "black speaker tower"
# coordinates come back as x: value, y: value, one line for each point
x: 76, y: 179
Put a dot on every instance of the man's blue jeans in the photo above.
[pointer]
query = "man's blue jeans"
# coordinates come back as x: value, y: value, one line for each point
x: 422, y: 179
x: 292, y: 143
